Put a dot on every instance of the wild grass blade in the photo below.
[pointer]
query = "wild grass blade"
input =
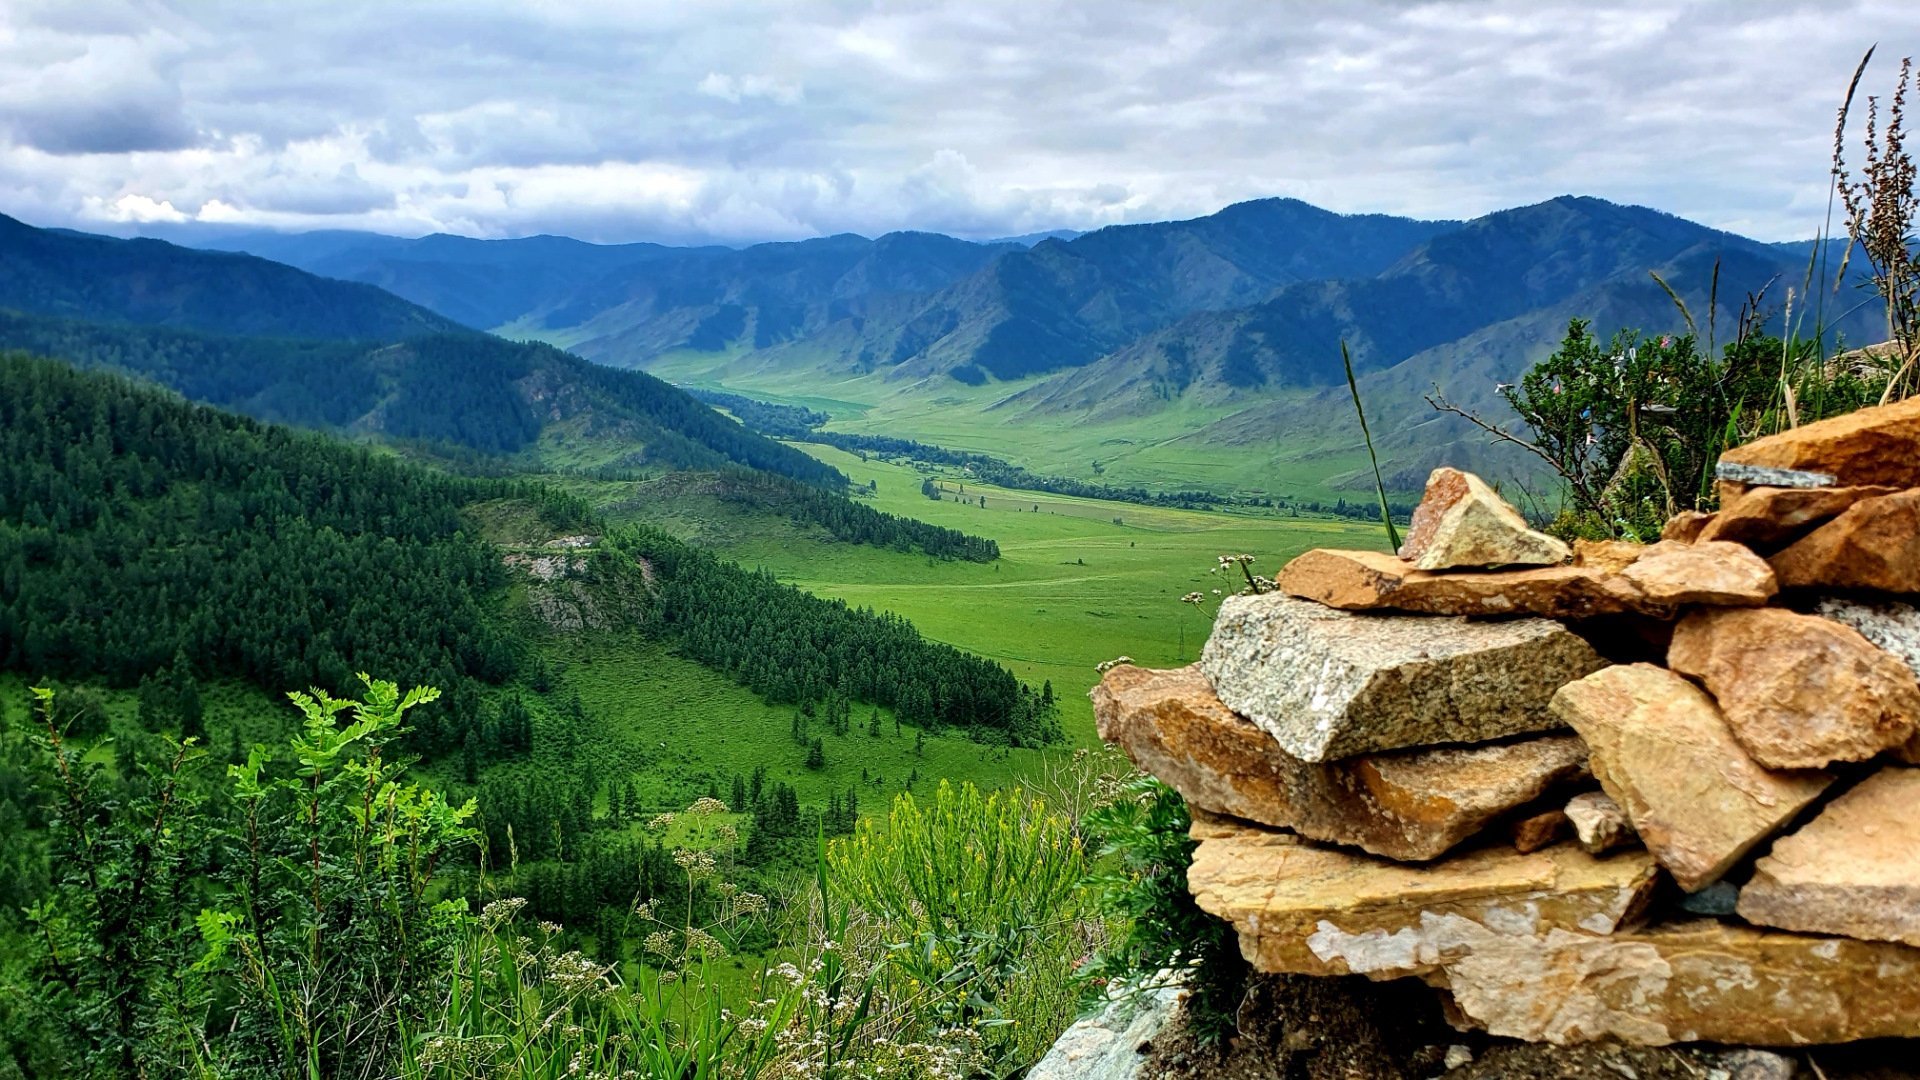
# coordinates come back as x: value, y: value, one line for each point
x: 1379, y: 485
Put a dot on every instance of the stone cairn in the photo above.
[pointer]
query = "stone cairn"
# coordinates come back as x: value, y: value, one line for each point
x: 1655, y: 793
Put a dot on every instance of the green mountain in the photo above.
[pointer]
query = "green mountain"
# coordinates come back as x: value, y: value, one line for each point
x: 153, y: 283
x: 283, y: 345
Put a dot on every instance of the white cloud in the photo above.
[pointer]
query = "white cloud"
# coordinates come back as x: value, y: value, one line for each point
x: 737, y: 121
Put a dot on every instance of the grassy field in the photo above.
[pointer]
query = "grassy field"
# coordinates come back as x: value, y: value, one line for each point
x: 1079, y: 581
x: 678, y: 729
x: 1154, y: 451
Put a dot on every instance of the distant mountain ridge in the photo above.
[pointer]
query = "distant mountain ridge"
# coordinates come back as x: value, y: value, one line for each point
x: 1232, y: 322
x: 284, y: 345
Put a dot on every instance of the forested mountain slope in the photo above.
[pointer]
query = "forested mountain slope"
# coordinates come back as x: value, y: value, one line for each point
x: 136, y: 527
x: 284, y: 345
x: 150, y: 282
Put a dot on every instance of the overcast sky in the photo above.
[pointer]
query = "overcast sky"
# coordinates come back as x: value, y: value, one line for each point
x: 705, y: 120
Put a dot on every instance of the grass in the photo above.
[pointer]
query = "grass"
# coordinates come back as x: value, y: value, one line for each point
x: 1079, y: 581
x: 677, y: 728
x: 1155, y: 451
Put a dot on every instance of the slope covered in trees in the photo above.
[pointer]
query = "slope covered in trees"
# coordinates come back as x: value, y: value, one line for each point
x: 150, y: 282
x: 135, y: 527
x: 465, y: 390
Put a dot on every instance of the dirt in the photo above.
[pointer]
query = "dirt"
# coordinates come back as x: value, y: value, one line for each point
x: 1301, y: 1028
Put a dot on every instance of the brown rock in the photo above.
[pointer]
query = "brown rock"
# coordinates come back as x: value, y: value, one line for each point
x: 1875, y: 544
x: 1315, y: 911
x: 1872, y: 446
x: 1461, y: 522
x: 1686, y: 526
x: 1703, y: 572
x: 1695, y: 981
x: 1799, y: 691
x: 1854, y: 870
x: 1765, y: 517
x: 1661, y: 749
x: 1598, y: 823
x: 1411, y: 805
x: 1610, y: 555
x: 1328, y: 684
x: 1535, y: 831
x: 1726, y: 574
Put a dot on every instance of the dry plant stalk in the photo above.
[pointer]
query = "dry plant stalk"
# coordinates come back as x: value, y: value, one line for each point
x: 1880, y: 208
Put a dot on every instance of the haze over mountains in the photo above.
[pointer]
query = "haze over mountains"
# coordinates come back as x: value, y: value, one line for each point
x: 1214, y: 336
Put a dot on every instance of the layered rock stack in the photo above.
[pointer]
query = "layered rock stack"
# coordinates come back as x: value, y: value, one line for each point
x: 1657, y: 793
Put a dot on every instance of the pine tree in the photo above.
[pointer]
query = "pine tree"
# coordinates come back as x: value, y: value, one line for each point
x: 817, y: 755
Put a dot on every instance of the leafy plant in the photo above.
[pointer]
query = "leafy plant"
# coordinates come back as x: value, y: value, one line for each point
x: 977, y: 897
x: 1162, y: 933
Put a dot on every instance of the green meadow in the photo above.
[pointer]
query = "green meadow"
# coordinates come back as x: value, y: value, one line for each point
x: 1155, y: 451
x: 1079, y: 581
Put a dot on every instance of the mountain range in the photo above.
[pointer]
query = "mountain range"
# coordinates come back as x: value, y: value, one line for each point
x: 284, y: 345
x: 1205, y: 351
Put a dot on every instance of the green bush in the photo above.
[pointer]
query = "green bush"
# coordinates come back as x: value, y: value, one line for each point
x: 1161, y: 932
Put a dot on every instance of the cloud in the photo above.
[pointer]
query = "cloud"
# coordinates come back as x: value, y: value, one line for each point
x: 733, y: 121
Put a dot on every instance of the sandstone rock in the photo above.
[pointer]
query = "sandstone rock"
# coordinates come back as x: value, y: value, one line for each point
x: 1461, y: 522
x: 1853, y: 870
x: 1610, y: 555
x: 1366, y: 580
x: 1766, y: 517
x: 1536, y: 831
x: 1874, y: 544
x: 1286, y: 901
x: 1204, y: 824
x: 1327, y: 684
x: 1598, y: 823
x: 1410, y: 805
x: 1661, y: 749
x: 1872, y: 446
x: 1703, y: 572
x: 1696, y: 981
x: 1608, y: 584
x: 1799, y: 691
x: 1686, y: 526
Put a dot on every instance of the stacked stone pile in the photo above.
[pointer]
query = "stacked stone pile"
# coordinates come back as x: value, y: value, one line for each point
x: 1657, y: 793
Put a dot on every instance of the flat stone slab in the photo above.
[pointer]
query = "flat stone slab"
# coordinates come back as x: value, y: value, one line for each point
x: 1854, y: 870
x: 1605, y: 580
x: 1461, y: 522
x: 1879, y: 445
x: 1798, y: 691
x: 1316, y: 911
x: 1409, y: 805
x: 1693, y: 981
x: 1874, y: 544
x: 1329, y: 684
x: 1659, y: 746
x: 1769, y: 516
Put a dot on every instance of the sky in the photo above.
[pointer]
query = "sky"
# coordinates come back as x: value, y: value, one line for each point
x: 714, y: 121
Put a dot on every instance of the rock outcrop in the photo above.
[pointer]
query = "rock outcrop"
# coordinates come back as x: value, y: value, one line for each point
x: 1463, y: 522
x: 1874, y: 545
x: 1327, y: 684
x: 1622, y: 579
x: 1661, y: 749
x: 1798, y: 691
x: 1412, y: 805
x: 1381, y: 784
x: 1854, y: 870
x: 1872, y: 446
